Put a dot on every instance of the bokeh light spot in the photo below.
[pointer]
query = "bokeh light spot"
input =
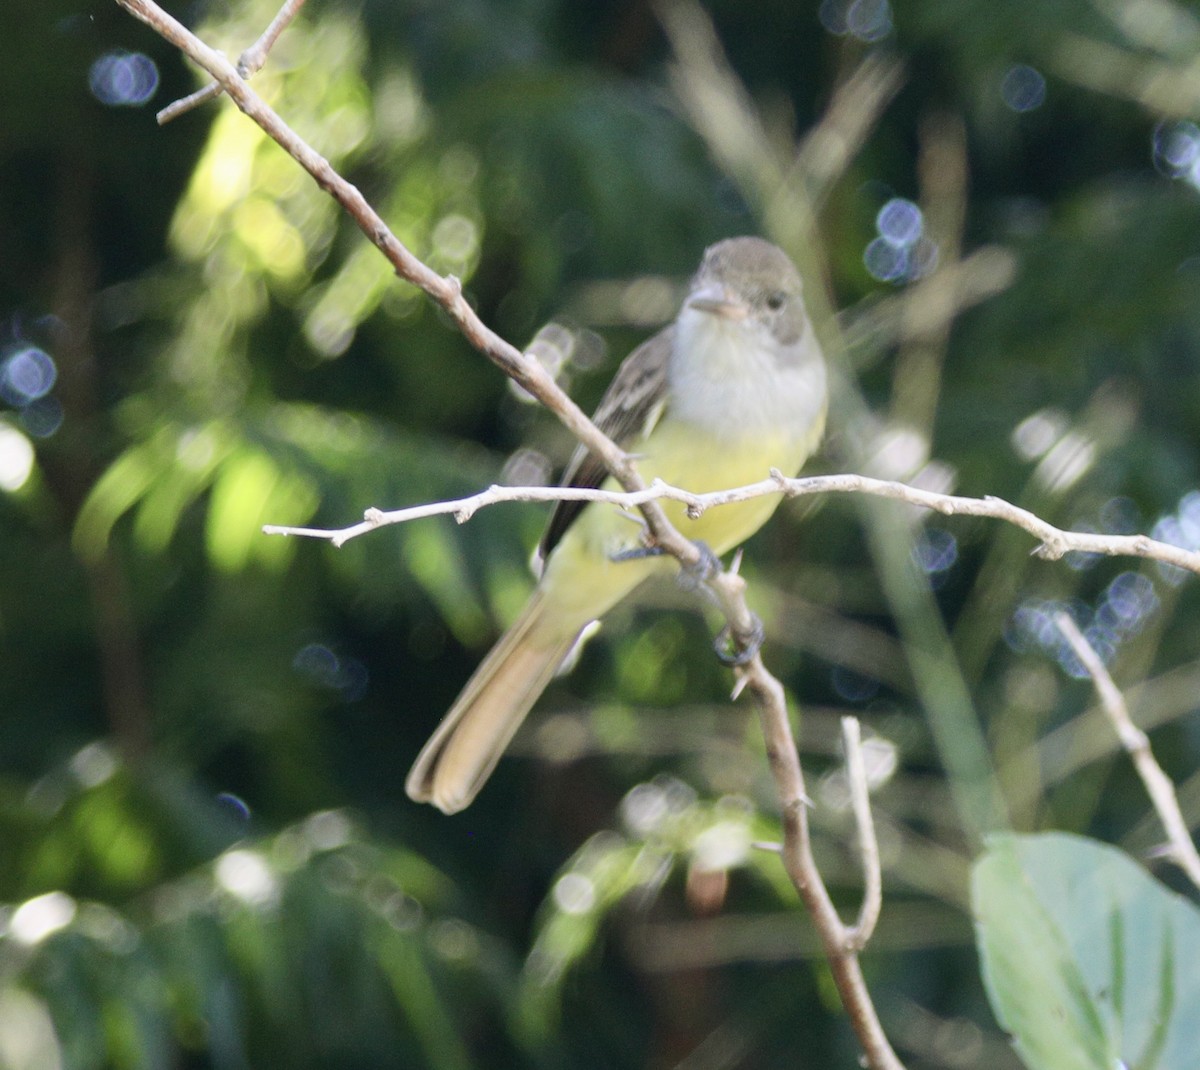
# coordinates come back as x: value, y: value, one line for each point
x: 574, y: 893
x: 16, y: 458
x: 644, y: 808
x: 881, y: 759
x: 901, y: 252
x: 868, y: 20
x: 27, y: 375
x: 454, y: 940
x: 885, y: 261
x: 246, y: 876
x: 42, y: 418
x: 1182, y: 529
x: 123, y: 79
x: 94, y: 764
x: 1036, y: 434
x: 317, y: 662
x: 455, y: 238
x: 234, y: 805
x: 328, y: 830
x: 936, y: 551
x: 323, y: 667
x: 1121, y: 612
x: 1066, y: 462
x: 1023, y: 88
x: 1132, y: 599
x: 1176, y: 149
x: 723, y: 845
x: 37, y: 918
x: 899, y: 222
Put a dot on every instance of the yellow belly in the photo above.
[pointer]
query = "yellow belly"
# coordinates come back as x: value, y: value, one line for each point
x: 582, y: 581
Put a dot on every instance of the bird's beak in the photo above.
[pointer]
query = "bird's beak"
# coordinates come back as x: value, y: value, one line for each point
x: 719, y: 301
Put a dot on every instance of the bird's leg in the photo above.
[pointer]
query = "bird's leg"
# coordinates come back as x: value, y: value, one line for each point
x: 693, y: 576
x: 636, y: 553
x: 734, y: 649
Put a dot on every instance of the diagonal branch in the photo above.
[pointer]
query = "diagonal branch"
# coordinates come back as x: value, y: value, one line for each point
x: 868, y: 846
x: 728, y: 587
x: 445, y: 290
x: 249, y: 63
x: 1182, y: 850
x: 838, y: 942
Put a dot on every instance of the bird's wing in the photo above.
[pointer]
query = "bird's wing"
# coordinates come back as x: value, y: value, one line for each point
x: 627, y: 413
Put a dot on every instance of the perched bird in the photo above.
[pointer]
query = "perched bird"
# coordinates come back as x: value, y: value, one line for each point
x: 733, y: 387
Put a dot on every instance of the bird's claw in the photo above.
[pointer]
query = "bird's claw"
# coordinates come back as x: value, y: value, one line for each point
x: 636, y: 553
x: 737, y: 649
x: 733, y: 649
x: 695, y: 575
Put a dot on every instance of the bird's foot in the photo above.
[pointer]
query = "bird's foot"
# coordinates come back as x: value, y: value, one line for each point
x: 636, y: 553
x: 733, y: 648
x: 695, y: 575
x: 739, y: 648
x: 692, y: 575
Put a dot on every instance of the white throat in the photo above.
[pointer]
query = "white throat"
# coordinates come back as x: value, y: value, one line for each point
x: 732, y: 377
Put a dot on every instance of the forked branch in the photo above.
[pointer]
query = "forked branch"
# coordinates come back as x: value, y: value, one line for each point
x: 841, y: 944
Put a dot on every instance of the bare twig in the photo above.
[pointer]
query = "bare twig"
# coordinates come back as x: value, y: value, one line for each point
x: 722, y: 111
x: 1182, y: 850
x: 527, y: 372
x: 826, y: 151
x: 249, y: 63
x: 929, y: 306
x: 445, y: 290
x: 929, y: 312
x: 1164, y: 87
x: 836, y: 940
x: 1053, y: 542
x: 868, y: 846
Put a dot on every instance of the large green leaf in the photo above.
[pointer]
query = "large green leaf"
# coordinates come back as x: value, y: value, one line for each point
x: 1089, y: 962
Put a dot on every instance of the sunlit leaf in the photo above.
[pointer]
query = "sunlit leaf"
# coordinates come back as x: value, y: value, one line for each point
x: 121, y: 486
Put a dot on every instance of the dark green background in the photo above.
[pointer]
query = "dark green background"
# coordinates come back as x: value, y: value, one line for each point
x: 230, y: 352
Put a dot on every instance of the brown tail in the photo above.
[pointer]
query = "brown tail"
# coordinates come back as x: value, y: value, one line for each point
x: 466, y: 746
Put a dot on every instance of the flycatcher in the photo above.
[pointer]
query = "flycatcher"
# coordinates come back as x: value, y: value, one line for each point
x: 734, y: 387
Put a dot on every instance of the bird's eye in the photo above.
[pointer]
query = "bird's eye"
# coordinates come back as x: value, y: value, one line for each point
x: 775, y: 301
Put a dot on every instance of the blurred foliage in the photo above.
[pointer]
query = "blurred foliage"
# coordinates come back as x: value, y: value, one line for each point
x: 206, y: 856
x: 1092, y: 967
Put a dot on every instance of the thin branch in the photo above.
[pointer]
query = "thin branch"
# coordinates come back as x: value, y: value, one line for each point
x: 868, y: 845
x: 1164, y: 87
x: 1053, y: 542
x: 917, y: 377
x: 722, y: 111
x: 824, y: 154
x: 445, y: 290
x: 249, y: 63
x: 836, y: 940
x: 728, y: 587
x: 929, y: 306
x: 1136, y: 743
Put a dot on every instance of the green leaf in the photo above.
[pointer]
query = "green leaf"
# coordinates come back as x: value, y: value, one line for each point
x: 121, y: 486
x: 1089, y: 962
